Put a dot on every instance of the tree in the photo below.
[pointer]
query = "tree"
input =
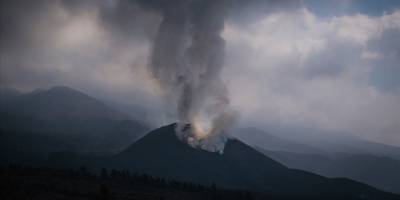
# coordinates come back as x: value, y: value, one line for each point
x: 104, y: 192
x: 213, y: 186
x: 114, y: 173
x: 83, y: 171
x: 104, y: 174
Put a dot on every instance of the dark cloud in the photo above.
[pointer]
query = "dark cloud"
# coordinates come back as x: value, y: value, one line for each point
x: 328, y: 8
x: 36, y: 51
x: 72, y: 42
x: 284, y: 63
x: 246, y: 12
x: 337, y: 56
x: 129, y: 19
x: 17, y: 20
x: 298, y: 69
x: 41, y: 40
x: 388, y: 42
x: 385, y: 71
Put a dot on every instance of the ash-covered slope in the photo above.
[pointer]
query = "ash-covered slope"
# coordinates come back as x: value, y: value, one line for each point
x: 161, y: 153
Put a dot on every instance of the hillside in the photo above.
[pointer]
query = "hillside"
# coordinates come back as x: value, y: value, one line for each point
x: 378, y: 171
x: 161, y: 153
x: 38, y: 123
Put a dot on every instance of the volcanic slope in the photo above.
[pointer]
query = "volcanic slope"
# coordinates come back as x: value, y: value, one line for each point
x: 161, y: 153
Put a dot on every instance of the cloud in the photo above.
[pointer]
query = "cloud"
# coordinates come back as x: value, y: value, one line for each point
x: 326, y: 8
x: 294, y: 68
x: 97, y: 47
x: 385, y: 62
x: 289, y: 67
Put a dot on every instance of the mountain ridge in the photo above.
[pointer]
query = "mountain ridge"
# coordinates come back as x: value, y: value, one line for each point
x: 62, y: 119
x: 258, y: 137
x: 62, y: 102
x: 161, y: 153
x: 380, y: 172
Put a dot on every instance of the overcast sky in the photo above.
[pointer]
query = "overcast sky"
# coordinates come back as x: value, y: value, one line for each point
x: 333, y: 67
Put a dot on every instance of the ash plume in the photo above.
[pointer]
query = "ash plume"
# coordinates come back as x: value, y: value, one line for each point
x: 186, y: 62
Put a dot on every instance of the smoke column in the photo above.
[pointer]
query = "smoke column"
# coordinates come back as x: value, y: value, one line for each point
x: 186, y: 62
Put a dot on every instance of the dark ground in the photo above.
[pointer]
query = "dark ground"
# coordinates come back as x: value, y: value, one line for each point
x: 21, y: 183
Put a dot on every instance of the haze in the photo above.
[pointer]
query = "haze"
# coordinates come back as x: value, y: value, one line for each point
x: 301, y: 69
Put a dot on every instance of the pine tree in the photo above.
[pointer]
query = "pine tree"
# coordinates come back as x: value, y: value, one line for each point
x: 104, y: 174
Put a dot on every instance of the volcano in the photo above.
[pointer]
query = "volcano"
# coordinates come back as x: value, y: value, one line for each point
x: 161, y: 153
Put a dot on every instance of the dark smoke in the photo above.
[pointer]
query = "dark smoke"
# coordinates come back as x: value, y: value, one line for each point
x: 186, y: 62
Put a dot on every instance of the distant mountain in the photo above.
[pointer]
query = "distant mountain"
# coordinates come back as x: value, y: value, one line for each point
x: 368, y: 162
x: 378, y: 171
x: 378, y: 149
x: 161, y: 153
x: 316, y: 144
x: 61, y: 103
x: 8, y: 94
x: 135, y: 112
x: 257, y: 137
x: 336, y: 142
x: 358, y: 146
x: 61, y: 118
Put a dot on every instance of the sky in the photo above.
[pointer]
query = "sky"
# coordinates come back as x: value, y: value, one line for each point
x: 330, y: 66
